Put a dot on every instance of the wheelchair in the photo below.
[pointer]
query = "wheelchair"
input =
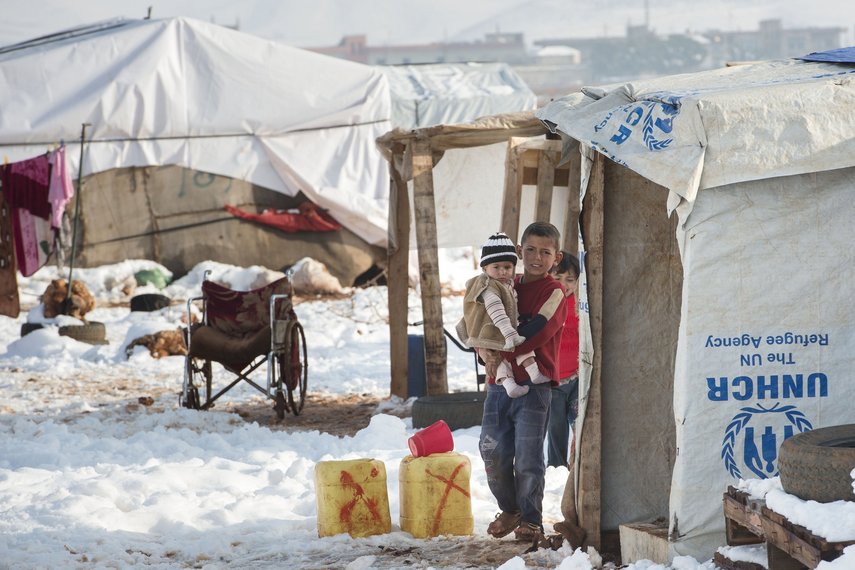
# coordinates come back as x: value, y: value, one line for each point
x: 242, y: 331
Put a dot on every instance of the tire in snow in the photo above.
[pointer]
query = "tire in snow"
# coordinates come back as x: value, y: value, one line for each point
x: 458, y: 409
x: 148, y: 302
x: 92, y: 332
x: 816, y: 465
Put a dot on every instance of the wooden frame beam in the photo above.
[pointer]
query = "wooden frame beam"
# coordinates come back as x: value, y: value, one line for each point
x: 590, y: 446
x: 424, y: 207
x: 398, y: 282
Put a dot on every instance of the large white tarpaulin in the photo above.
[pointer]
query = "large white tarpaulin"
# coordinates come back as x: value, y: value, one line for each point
x: 760, y: 163
x: 450, y: 93
x: 702, y: 130
x: 184, y: 92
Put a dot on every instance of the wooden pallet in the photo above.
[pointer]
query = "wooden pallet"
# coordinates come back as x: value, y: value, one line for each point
x: 724, y: 563
x: 789, y: 546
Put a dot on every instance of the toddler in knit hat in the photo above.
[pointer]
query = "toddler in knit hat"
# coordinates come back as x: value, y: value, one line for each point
x: 490, y: 312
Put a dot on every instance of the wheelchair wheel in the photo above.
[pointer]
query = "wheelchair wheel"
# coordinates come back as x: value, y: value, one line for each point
x: 295, y: 370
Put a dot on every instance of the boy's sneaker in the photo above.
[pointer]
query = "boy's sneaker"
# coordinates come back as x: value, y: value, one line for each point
x: 528, y: 532
x: 504, y: 524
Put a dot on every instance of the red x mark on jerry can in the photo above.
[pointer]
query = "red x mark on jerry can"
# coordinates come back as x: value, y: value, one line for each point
x: 434, y: 495
x: 352, y: 498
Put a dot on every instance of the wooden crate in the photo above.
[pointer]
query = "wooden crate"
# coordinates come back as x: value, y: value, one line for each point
x: 788, y: 546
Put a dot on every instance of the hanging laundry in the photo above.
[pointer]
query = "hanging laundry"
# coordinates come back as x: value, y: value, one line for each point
x: 25, y: 187
x: 306, y: 218
x: 61, y: 189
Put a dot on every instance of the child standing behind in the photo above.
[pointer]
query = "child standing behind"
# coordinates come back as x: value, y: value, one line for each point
x: 565, y: 397
x: 490, y: 313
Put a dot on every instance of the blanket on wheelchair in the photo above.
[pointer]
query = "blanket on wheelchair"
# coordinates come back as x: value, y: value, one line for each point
x: 238, y: 328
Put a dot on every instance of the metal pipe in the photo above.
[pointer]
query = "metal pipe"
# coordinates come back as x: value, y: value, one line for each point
x: 76, y: 218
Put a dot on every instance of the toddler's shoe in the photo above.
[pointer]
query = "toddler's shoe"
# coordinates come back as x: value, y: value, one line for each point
x: 513, y: 341
x: 513, y: 389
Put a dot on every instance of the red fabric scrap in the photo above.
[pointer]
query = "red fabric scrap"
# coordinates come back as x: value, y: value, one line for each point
x: 307, y: 218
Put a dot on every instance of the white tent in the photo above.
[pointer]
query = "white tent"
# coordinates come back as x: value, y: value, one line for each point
x: 466, y: 179
x: 451, y: 93
x: 184, y: 92
x: 737, y: 312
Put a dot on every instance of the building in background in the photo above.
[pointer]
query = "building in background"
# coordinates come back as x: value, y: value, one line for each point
x: 553, y: 67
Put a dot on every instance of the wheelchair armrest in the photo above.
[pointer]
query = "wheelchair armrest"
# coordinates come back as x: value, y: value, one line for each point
x: 273, y: 299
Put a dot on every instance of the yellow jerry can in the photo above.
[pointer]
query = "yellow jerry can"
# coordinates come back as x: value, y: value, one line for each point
x: 352, y: 497
x: 434, y: 493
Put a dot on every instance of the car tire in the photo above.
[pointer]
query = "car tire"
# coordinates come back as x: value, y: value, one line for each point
x: 92, y: 332
x: 458, y: 409
x: 816, y: 465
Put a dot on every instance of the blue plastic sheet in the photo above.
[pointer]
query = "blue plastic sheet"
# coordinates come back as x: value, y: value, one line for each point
x: 839, y: 55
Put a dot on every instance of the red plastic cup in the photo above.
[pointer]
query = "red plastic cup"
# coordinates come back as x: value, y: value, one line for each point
x: 436, y: 438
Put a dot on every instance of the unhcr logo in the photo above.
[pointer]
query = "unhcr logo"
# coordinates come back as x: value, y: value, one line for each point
x: 654, y: 121
x: 752, y: 439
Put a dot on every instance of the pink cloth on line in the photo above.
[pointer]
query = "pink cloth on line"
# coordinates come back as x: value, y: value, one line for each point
x: 61, y: 188
x: 25, y: 186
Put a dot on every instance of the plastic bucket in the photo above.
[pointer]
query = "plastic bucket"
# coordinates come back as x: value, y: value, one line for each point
x: 436, y: 438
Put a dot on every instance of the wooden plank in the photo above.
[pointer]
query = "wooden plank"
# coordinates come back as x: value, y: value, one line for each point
x: 552, y: 145
x: 777, y: 559
x: 10, y: 304
x: 398, y: 283
x: 570, y: 232
x: 561, y: 174
x: 747, y: 521
x: 512, y: 194
x: 794, y: 546
x: 644, y: 541
x: 724, y: 563
x: 590, y: 481
x: 424, y: 206
x: 545, y: 182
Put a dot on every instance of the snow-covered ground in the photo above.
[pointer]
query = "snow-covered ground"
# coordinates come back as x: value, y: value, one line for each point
x: 95, y: 475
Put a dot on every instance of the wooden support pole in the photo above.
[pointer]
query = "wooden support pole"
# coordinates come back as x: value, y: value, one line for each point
x: 424, y: 207
x: 546, y: 162
x: 10, y: 303
x: 570, y: 235
x: 590, y: 448
x: 513, y: 189
x: 398, y: 282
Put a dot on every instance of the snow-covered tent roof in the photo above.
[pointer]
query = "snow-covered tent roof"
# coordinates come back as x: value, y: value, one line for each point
x: 703, y: 130
x: 190, y: 93
x: 434, y: 94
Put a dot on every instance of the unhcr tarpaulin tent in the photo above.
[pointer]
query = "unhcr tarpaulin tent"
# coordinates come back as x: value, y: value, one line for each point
x: 183, y: 92
x: 737, y: 312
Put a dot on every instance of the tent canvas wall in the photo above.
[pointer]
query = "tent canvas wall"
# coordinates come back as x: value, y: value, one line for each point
x: 736, y: 312
x: 209, y: 99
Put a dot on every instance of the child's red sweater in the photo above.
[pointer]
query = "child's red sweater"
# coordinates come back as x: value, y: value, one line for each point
x: 542, y: 310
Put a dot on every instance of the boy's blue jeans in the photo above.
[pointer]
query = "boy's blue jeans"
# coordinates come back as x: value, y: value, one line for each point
x: 512, y: 435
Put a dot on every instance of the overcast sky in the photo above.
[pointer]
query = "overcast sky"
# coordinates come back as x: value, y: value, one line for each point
x: 323, y: 22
